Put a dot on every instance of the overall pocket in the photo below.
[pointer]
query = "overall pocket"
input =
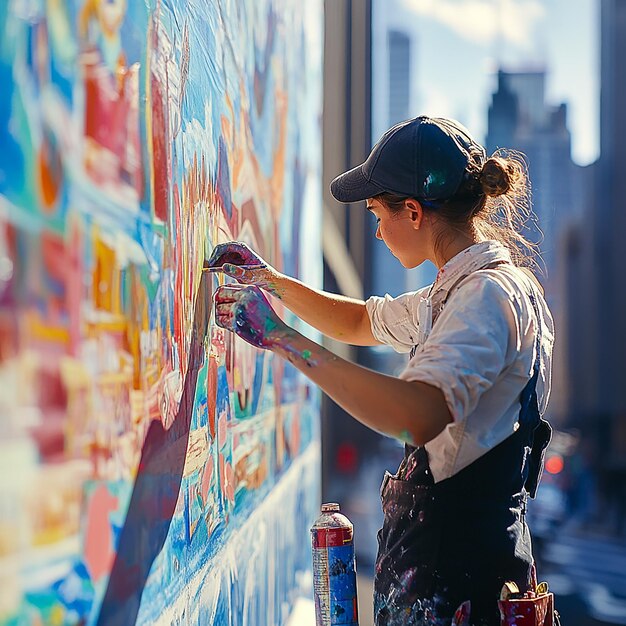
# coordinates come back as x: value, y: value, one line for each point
x: 410, y: 535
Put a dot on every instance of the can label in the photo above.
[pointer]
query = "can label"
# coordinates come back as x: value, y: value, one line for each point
x: 334, y: 577
x: 330, y: 537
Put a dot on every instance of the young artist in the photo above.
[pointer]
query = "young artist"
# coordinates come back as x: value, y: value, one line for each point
x: 469, y: 403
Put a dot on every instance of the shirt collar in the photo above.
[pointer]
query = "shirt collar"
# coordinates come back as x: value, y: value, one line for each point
x: 475, y: 257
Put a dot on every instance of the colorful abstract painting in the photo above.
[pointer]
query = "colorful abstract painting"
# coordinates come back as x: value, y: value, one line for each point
x: 153, y: 468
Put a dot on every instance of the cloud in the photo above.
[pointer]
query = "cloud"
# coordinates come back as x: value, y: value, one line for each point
x: 485, y: 21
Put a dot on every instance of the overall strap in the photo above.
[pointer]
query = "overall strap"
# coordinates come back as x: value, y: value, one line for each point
x: 461, y: 278
x: 541, y: 431
x: 433, y: 314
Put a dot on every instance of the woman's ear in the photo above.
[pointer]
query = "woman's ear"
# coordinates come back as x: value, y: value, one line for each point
x: 416, y: 213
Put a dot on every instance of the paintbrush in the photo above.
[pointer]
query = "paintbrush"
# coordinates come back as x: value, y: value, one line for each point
x: 243, y: 267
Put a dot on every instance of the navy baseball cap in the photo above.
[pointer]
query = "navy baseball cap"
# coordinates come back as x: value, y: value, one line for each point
x: 424, y: 158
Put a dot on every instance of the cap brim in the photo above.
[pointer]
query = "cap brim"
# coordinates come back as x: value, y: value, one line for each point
x: 353, y: 186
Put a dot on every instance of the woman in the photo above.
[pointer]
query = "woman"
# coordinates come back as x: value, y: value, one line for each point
x: 468, y: 405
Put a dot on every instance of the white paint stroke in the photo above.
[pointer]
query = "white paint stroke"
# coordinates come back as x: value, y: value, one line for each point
x: 253, y: 543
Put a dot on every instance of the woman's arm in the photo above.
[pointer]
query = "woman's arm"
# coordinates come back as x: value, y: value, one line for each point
x: 341, y: 318
x: 411, y: 411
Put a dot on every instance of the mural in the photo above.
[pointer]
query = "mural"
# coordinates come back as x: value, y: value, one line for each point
x: 153, y: 468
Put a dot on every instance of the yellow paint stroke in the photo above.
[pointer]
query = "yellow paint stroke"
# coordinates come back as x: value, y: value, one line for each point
x: 105, y: 278
x: 40, y: 329
x: 138, y: 323
x: 114, y: 325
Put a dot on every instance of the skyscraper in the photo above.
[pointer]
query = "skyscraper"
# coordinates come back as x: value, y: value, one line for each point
x: 597, y: 368
x: 604, y: 230
x: 596, y: 296
x: 520, y: 118
x: 609, y: 217
x: 399, y: 54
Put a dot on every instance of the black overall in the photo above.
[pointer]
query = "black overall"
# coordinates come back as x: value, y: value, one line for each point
x: 461, y: 538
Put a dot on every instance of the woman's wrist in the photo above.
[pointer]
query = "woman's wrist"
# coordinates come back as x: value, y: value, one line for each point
x: 277, y: 284
x: 295, y: 347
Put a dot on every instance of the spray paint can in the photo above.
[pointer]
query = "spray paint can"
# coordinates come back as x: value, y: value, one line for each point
x: 334, y: 569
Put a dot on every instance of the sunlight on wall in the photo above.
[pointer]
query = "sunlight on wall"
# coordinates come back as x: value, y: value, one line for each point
x: 152, y: 467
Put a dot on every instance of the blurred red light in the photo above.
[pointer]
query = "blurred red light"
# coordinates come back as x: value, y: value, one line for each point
x: 554, y: 464
x: 347, y: 458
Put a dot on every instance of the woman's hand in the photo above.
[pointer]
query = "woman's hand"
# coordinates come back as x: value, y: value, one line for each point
x: 344, y: 319
x: 237, y: 260
x: 247, y: 312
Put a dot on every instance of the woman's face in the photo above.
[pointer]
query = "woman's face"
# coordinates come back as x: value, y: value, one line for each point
x: 401, y: 231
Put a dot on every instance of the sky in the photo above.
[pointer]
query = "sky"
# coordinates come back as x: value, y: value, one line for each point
x: 461, y: 44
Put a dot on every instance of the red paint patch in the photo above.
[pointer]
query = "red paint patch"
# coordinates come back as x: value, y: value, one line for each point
x: 99, y: 552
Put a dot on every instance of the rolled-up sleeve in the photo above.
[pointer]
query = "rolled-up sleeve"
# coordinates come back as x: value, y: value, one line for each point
x: 468, y: 347
x: 394, y: 321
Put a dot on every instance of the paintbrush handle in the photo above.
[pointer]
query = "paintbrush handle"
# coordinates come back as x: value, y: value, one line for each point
x: 243, y: 267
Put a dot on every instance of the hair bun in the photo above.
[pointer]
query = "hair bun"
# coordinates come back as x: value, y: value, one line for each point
x: 496, y: 177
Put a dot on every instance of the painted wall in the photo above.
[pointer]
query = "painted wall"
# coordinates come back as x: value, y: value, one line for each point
x: 153, y: 469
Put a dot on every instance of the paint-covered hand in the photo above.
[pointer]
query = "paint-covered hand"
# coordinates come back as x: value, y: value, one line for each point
x: 237, y: 260
x: 247, y: 312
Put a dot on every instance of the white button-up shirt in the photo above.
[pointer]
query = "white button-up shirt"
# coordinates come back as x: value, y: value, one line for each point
x: 472, y: 335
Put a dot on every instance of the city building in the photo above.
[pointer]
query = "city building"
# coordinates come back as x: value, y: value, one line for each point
x: 609, y: 214
x: 598, y: 372
x: 597, y: 268
x: 520, y: 118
